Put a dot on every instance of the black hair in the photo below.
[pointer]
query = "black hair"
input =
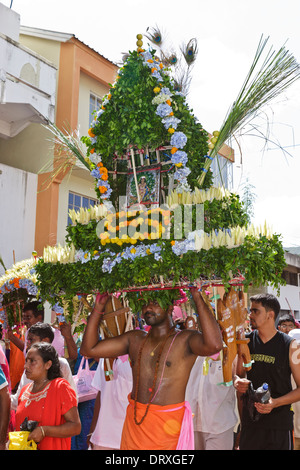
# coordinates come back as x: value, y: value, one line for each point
x: 36, y: 307
x: 286, y: 317
x: 48, y: 353
x: 268, y: 301
x: 42, y: 330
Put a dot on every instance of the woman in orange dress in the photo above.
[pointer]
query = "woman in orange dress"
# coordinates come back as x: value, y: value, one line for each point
x: 49, y: 400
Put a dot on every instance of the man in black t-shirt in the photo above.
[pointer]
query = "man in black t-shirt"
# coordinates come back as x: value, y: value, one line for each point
x: 275, y: 358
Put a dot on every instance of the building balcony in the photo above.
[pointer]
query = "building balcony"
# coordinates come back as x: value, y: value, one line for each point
x: 27, y: 88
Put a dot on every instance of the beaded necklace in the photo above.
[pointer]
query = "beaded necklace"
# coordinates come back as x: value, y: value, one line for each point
x: 152, y: 389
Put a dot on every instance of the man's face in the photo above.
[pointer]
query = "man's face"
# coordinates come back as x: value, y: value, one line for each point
x: 258, y: 315
x: 286, y: 326
x: 153, y: 313
x: 28, y: 318
x: 31, y: 339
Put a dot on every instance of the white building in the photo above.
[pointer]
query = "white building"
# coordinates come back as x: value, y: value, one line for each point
x: 289, y: 297
x: 27, y: 96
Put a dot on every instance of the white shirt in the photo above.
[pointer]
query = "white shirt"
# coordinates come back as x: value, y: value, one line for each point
x: 114, y: 402
x: 295, y: 334
x: 66, y: 373
x: 213, y: 405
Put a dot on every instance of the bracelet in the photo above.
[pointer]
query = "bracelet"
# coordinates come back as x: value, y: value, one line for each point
x: 43, y: 432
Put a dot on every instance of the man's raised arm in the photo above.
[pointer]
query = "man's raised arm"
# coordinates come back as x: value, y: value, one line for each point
x: 210, y: 341
x: 91, y: 345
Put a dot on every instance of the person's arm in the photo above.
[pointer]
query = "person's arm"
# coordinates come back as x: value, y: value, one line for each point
x: 15, y: 340
x: 210, y: 341
x: 294, y: 395
x: 95, y: 418
x: 91, y: 346
x: 65, y: 329
x: 240, y: 383
x: 4, y: 415
x: 70, y: 428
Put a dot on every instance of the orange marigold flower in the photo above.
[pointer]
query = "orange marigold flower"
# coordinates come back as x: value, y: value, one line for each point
x: 92, y: 150
x: 102, y: 189
x: 91, y: 133
x: 104, y: 235
x: 155, y: 223
x: 174, y: 150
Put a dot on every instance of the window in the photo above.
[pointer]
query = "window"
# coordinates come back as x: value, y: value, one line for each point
x: 95, y: 105
x: 76, y: 201
x: 290, y: 278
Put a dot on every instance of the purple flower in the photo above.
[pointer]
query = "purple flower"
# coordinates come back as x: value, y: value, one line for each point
x: 157, y: 75
x: 163, y: 110
x: 95, y: 173
x: 179, y: 157
x: 178, y: 140
x: 170, y: 121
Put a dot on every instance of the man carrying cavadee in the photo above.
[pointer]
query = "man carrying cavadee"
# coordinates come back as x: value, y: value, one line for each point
x: 158, y: 418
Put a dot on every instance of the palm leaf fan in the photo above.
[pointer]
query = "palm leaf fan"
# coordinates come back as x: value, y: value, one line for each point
x: 68, y: 148
x: 2, y: 263
x: 279, y: 70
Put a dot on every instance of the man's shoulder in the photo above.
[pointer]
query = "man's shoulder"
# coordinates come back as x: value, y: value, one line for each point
x: 136, y: 335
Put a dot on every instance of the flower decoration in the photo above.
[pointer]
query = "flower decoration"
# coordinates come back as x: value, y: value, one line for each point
x: 59, y: 310
x: 163, y: 100
x: 139, y: 254
x: 22, y: 276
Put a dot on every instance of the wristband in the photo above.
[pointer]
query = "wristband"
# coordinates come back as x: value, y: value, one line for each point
x: 98, y: 311
x: 43, y: 432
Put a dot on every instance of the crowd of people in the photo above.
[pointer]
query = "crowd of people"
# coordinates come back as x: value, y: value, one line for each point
x: 167, y: 390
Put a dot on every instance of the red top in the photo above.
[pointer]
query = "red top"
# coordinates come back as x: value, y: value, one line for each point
x: 48, y: 407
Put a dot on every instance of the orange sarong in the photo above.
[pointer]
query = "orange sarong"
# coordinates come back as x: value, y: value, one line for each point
x: 167, y: 427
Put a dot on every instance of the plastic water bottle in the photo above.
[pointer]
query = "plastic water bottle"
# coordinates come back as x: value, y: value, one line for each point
x: 263, y: 393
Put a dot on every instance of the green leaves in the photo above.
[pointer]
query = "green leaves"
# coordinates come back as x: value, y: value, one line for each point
x: 130, y: 119
x: 258, y: 260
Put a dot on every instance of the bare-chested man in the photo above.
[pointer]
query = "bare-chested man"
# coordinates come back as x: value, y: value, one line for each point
x: 157, y: 415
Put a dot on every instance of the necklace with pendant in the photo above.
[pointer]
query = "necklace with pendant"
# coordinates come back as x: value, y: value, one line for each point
x: 152, y: 389
x: 152, y: 352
